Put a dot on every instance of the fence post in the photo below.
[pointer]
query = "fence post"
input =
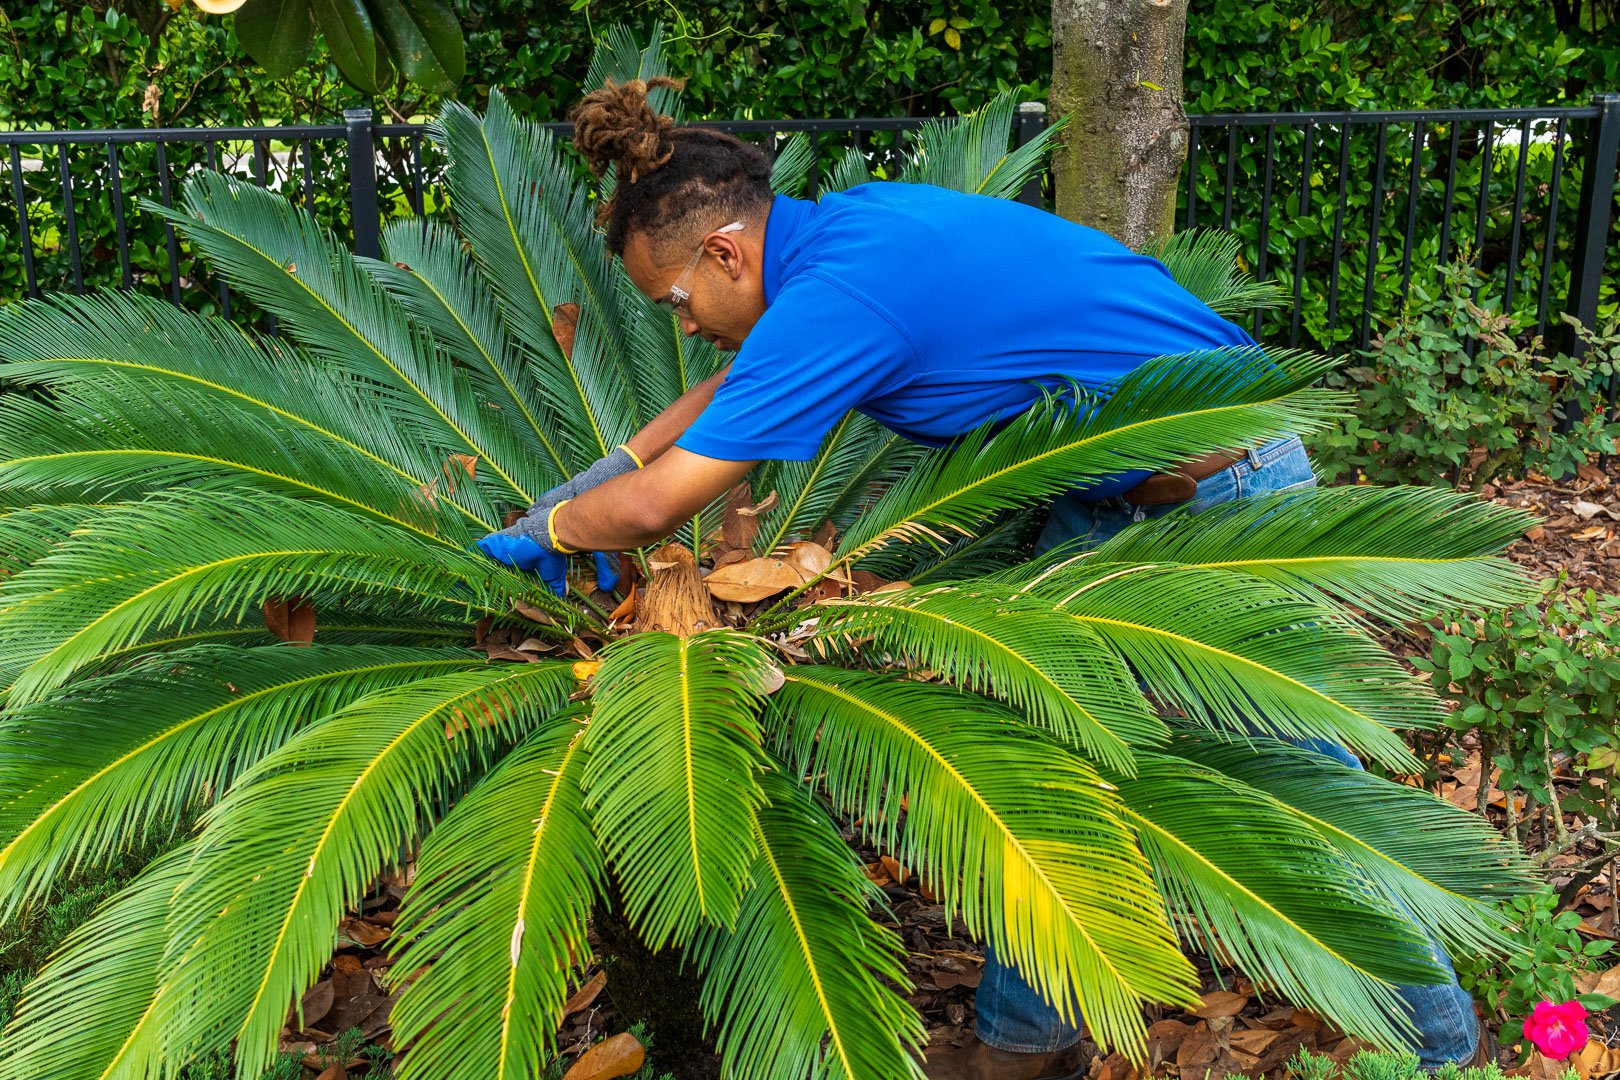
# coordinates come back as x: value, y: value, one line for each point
x: 1031, y: 122
x: 363, y: 208
x: 1592, y: 217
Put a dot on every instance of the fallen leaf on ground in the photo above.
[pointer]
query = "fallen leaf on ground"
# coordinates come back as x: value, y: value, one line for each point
x: 335, y: 1071
x: 892, y: 867
x: 1586, y: 511
x: 317, y: 1002
x: 1198, y: 1049
x: 532, y: 613
x: 363, y: 933
x: 1606, y: 983
x: 1218, y: 1003
x: 619, y: 1056
x: 876, y: 874
x: 752, y: 580
x: 581, y: 999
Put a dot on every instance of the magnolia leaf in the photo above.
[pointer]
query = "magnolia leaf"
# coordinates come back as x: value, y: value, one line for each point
x: 808, y: 558
x: 753, y: 580
x: 424, y: 40
x: 276, y: 33
x: 352, y: 40
x: 619, y: 1056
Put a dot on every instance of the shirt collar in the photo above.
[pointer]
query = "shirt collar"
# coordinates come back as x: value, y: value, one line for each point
x: 786, y: 218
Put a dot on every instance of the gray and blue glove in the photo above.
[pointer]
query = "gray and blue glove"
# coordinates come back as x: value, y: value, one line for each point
x: 531, y: 544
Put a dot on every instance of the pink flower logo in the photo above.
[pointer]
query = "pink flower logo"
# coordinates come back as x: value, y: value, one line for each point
x: 1557, y: 1030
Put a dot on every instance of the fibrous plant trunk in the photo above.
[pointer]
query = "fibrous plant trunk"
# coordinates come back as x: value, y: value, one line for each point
x: 1116, y: 66
x: 676, y: 599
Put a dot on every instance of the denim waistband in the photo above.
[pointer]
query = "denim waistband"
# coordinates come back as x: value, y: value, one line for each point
x: 1253, y: 461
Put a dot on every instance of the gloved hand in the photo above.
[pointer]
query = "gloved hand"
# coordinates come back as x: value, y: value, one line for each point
x: 522, y: 553
x: 530, y: 544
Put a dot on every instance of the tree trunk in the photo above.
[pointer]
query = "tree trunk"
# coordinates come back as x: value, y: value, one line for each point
x: 1116, y: 66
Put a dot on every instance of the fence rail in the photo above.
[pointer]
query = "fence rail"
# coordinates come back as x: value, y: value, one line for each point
x: 1527, y: 194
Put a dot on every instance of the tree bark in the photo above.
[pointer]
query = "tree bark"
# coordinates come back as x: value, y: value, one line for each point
x: 1116, y: 66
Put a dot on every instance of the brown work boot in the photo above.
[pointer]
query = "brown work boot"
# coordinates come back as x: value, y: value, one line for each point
x: 976, y: 1061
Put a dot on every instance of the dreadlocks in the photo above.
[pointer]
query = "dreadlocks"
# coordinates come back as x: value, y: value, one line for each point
x: 673, y: 184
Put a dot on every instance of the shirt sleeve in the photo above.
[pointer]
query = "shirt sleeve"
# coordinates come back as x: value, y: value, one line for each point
x: 816, y: 353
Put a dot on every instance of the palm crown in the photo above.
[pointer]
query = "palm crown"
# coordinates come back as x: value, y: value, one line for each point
x: 984, y: 723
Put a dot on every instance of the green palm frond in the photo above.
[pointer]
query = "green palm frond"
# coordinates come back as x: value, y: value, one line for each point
x: 173, y: 561
x: 67, y: 343
x: 1442, y: 865
x: 852, y: 170
x: 116, y: 443
x: 89, y: 1013
x: 1205, y: 263
x: 805, y: 984
x: 1401, y: 554
x: 994, y: 550
x: 426, y: 269
x: 299, y: 272
x: 1248, y: 656
x: 970, y: 154
x: 790, y: 169
x: 530, y: 226
x: 620, y: 57
x: 76, y: 790
x: 30, y: 532
x: 1260, y: 884
x: 1056, y: 671
x: 1167, y: 410
x: 300, y: 836
x: 1019, y: 836
x: 833, y: 485
x: 497, y: 918
x: 673, y: 775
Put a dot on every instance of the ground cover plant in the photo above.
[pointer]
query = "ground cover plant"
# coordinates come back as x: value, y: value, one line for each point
x: 867, y: 643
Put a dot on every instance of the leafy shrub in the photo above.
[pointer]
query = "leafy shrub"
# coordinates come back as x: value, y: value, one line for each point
x: 1550, y: 956
x: 1450, y: 395
x: 1539, y: 682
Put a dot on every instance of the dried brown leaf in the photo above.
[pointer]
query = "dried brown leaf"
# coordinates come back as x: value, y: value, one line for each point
x: 1218, y: 1003
x: 291, y: 619
x: 317, y: 1002
x: 581, y: 999
x: 564, y: 325
x: 753, y: 580
x: 619, y: 1056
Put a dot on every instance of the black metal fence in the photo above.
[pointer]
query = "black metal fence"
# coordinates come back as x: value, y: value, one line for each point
x: 1352, y: 212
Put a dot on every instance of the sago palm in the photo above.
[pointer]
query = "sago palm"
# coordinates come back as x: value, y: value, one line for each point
x: 984, y: 722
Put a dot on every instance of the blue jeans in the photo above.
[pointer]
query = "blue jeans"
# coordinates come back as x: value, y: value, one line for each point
x: 1012, y: 1015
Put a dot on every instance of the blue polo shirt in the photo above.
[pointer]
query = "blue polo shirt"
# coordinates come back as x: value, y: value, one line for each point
x: 932, y: 312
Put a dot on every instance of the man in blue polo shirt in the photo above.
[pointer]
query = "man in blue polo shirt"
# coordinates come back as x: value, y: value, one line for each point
x: 928, y: 310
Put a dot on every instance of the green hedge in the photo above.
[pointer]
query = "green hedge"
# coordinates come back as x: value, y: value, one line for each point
x: 128, y: 63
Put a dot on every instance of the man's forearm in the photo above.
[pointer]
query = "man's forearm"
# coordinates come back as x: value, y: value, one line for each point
x: 653, y: 441
x: 647, y: 505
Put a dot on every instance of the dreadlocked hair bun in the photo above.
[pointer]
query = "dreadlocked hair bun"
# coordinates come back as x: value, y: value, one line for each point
x: 615, y: 127
x: 669, y: 181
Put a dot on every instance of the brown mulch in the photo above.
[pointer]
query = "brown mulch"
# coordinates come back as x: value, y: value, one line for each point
x: 1239, y: 1029
x: 1580, y: 530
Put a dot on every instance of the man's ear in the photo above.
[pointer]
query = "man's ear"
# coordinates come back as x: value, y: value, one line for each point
x: 729, y: 252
